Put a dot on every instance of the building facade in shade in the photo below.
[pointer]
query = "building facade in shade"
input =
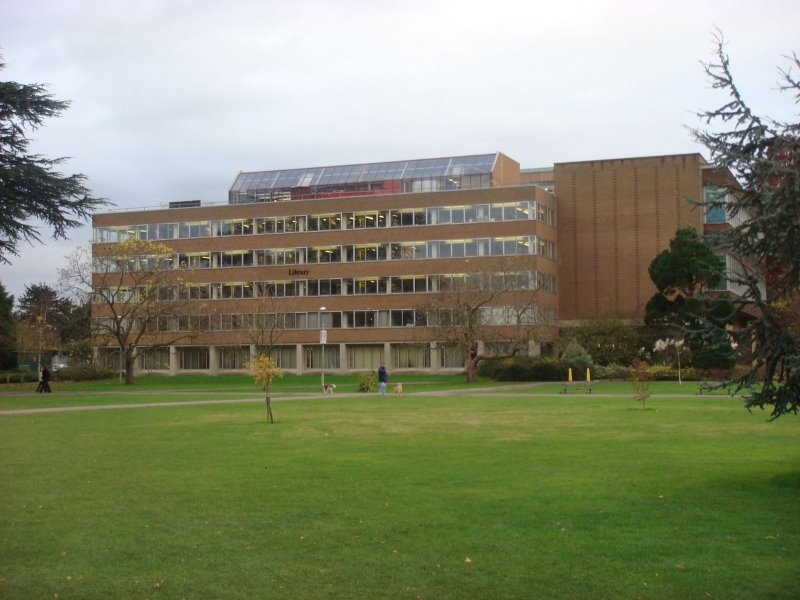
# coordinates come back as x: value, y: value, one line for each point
x: 359, y: 251
x: 616, y: 216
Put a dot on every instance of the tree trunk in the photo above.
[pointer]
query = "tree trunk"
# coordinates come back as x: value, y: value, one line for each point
x: 129, y: 362
x: 472, y: 369
x: 269, y: 404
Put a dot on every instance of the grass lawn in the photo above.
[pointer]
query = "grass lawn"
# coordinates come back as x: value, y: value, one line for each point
x: 154, y: 388
x: 490, y: 495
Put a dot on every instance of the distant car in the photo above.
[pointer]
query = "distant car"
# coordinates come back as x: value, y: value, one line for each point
x: 58, y: 366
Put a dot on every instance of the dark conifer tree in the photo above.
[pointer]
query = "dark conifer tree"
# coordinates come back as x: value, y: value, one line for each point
x: 32, y: 191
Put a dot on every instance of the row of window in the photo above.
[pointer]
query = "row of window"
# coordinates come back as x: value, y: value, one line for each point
x: 475, y: 213
x: 523, y: 280
x: 490, y: 316
x: 465, y: 248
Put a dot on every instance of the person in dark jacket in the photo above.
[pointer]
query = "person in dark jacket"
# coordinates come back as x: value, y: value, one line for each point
x: 46, y: 380
x: 383, y: 379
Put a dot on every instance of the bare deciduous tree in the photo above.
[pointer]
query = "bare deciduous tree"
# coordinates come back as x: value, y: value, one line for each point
x: 502, y: 309
x: 137, y: 298
x: 269, y: 321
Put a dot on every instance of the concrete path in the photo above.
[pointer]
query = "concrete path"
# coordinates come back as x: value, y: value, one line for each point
x: 513, y: 388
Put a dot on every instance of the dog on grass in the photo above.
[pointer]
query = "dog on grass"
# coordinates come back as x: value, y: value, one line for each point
x: 398, y: 389
x: 328, y: 388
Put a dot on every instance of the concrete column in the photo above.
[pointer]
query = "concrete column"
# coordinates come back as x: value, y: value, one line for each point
x: 436, y: 359
x: 173, y: 360
x: 213, y: 361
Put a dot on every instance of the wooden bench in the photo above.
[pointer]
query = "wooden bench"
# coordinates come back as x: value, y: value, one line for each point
x: 577, y: 386
x: 708, y: 387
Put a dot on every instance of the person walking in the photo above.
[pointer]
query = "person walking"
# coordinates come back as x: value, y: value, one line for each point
x: 383, y: 379
x: 46, y: 380
x: 40, y: 387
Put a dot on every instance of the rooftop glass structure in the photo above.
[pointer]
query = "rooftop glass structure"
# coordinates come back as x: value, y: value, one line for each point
x: 425, y: 175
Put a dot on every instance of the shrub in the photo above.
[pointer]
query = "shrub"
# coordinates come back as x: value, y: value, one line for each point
x: 87, y: 372
x: 713, y: 357
x: 524, y: 369
x: 367, y: 380
x: 662, y: 373
x: 515, y: 371
x: 17, y: 376
x: 548, y: 369
x: 612, y: 371
x: 576, y: 356
x: 487, y: 367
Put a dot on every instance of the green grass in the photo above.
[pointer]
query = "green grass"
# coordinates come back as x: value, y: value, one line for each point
x: 158, y: 388
x: 491, y: 495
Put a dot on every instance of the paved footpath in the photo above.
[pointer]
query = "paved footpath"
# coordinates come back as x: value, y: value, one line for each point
x: 244, y: 400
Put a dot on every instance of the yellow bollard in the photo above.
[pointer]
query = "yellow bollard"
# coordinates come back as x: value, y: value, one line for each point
x: 569, y: 374
x: 588, y: 375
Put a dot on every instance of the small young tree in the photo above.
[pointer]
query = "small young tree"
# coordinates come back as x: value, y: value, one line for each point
x: 268, y: 320
x: 670, y: 346
x: 264, y: 371
x: 367, y: 380
x: 640, y: 379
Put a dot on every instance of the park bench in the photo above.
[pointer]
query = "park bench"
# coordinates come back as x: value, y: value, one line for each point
x: 708, y: 387
x: 577, y: 386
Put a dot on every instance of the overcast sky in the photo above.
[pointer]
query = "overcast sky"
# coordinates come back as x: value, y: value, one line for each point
x: 171, y: 99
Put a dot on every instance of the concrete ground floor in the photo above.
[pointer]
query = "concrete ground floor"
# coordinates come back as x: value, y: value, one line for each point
x: 292, y: 358
x: 344, y: 358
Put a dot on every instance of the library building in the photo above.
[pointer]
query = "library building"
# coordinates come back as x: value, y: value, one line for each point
x: 336, y: 269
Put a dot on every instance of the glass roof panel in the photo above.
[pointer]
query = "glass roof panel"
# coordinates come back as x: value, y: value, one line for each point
x: 365, y: 172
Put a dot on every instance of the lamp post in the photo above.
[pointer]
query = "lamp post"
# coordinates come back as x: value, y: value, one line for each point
x: 119, y: 339
x: 323, y: 338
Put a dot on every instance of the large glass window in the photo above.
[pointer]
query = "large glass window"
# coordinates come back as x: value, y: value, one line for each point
x: 194, y: 230
x: 714, y: 194
x: 407, y: 217
x: 324, y: 222
x: 193, y: 358
x: 411, y: 356
x: 325, y: 254
x: 369, y: 252
x: 236, y: 259
x: 233, y: 357
x: 324, y: 287
x: 167, y: 231
x: 154, y: 359
x: 280, y: 256
x: 232, y: 227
